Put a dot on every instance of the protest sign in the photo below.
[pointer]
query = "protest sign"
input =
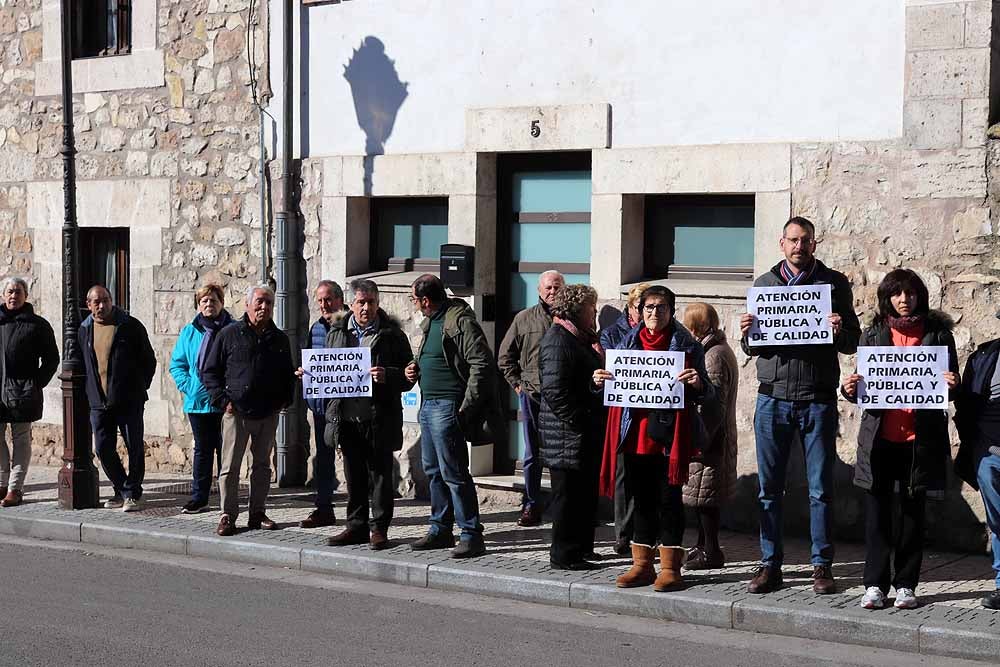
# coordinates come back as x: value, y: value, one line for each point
x: 337, y: 372
x: 903, y: 377
x: 644, y: 379
x: 790, y: 315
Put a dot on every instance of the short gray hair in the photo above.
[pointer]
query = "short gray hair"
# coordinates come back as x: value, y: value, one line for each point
x: 362, y: 285
x: 338, y: 291
x: 15, y: 280
x: 551, y: 272
x: 263, y: 287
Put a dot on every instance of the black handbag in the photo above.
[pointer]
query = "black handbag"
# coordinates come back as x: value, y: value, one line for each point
x: 660, y: 426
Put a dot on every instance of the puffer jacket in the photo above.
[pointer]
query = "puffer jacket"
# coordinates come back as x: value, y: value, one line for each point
x: 29, y: 360
x: 390, y: 350
x: 612, y: 336
x: 807, y: 372
x: 712, y: 481
x: 932, y: 448
x: 184, y: 367
x: 572, y: 414
x: 518, y: 355
x: 471, y: 360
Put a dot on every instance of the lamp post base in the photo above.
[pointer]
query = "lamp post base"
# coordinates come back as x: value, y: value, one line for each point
x: 78, y: 487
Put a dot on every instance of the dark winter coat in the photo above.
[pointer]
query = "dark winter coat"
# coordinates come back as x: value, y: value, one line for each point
x: 807, y: 372
x: 131, y: 364
x: 571, y: 419
x: 29, y: 360
x: 390, y: 350
x: 972, y: 397
x: 712, y: 481
x: 932, y: 446
x: 470, y: 358
x: 253, y: 372
x: 612, y: 336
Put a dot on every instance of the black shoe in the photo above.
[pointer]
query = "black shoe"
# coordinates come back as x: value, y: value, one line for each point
x: 194, y: 507
x: 469, y: 548
x: 592, y: 555
x: 434, y: 541
x: 623, y: 546
x: 992, y: 601
x: 578, y: 566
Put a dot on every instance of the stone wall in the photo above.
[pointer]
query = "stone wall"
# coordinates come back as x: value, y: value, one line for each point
x: 196, y: 134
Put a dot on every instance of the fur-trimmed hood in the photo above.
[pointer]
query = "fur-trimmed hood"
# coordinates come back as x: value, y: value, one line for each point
x: 935, y: 320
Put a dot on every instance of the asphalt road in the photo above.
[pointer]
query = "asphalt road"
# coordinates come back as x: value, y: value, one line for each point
x: 64, y: 604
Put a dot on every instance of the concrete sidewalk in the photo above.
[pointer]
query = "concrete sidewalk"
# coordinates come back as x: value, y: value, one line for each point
x: 950, y: 622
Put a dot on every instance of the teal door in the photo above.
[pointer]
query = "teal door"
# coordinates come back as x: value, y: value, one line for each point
x: 550, y: 229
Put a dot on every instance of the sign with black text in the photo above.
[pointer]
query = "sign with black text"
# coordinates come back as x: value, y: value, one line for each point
x: 644, y: 379
x: 337, y: 372
x: 895, y: 377
x: 790, y: 315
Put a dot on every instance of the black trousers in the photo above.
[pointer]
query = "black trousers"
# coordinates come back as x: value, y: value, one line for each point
x: 368, y: 469
x: 573, y: 508
x: 658, y: 517
x: 885, y: 530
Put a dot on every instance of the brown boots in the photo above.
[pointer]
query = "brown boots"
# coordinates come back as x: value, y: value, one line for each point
x: 642, y: 572
x: 669, y: 579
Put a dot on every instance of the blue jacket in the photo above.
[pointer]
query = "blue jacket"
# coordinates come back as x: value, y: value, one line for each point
x: 681, y: 340
x: 612, y: 336
x: 184, y: 370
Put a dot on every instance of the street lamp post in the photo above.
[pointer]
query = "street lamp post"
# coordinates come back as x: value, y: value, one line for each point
x: 78, y: 476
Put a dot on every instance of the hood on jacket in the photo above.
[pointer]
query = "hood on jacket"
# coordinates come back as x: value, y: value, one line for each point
x: 343, y: 321
x: 26, y: 312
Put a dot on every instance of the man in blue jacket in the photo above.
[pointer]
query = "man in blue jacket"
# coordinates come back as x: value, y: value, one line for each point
x: 329, y: 297
x: 120, y: 364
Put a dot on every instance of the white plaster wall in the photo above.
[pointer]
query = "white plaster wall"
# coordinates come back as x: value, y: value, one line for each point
x: 713, y: 71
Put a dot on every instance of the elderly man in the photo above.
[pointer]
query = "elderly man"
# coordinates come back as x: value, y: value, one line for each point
x: 369, y: 430
x: 329, y: 297
x: 249, y: 373
x: 458, y: 385
x: 518, y: 360
x: 797, y: 401
x: 120, y: 363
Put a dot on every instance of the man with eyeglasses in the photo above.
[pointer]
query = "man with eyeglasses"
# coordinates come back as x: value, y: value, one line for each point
x: 458, y: 387
x: 797, y: 400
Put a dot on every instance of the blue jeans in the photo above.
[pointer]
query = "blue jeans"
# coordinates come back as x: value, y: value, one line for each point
x: 988, y: 474
x: 776, y: 424
x: 207, y: 430
x: 106, y: 425
x: 324, y: 465
x: 445, y: 459
x: 532, y: 451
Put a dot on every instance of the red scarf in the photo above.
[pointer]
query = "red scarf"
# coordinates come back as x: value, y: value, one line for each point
x: 680, y: 452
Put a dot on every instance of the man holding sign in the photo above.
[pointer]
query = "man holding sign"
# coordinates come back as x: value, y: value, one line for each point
x: 907, y: 367
x: 363, y: 380
x: 798, y: 371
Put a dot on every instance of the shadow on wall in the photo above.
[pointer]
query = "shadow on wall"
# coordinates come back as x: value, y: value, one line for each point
x: 378, y: 95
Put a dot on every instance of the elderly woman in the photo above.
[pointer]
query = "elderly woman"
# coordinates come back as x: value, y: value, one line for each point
x: 657, y: 446
x: 186, y: 363
x: 611, y: 338
x: 28, y: 360
x: 712, y: 480
x: 904, y: 449
x: 571, y: 423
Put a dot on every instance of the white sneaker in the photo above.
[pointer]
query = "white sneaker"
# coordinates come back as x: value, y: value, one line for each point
x: 906, y: 599
x: 873, y: 598
x: 113, y: 503
x: 131, y: 505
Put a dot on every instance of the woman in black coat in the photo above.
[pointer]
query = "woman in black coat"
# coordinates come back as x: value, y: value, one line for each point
x: 571, y: 424
x: 28, y: 360
x: 904, y: 449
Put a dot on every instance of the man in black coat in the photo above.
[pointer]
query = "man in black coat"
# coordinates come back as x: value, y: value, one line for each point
x: 249, y: 373
x: 28, y: 360
x: 120, y: 364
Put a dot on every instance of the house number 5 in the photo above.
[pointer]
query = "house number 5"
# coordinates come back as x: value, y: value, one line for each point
x: 535, y: 130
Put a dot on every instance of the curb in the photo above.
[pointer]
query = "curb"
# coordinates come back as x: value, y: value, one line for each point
x: 849, y: 626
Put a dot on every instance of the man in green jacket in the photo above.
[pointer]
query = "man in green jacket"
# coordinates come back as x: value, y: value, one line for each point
x: 459, y: 389
x: 518, y: 360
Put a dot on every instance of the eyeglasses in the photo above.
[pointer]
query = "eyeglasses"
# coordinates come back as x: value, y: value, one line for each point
x: 660, y: 308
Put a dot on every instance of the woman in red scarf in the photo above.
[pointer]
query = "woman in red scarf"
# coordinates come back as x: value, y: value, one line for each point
x: 657, y: 446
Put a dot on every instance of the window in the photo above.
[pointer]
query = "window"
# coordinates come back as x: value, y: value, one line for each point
x: 699, y: 236
x: 104, y: 261
x: 102, y: 28
x: 407, y: 233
